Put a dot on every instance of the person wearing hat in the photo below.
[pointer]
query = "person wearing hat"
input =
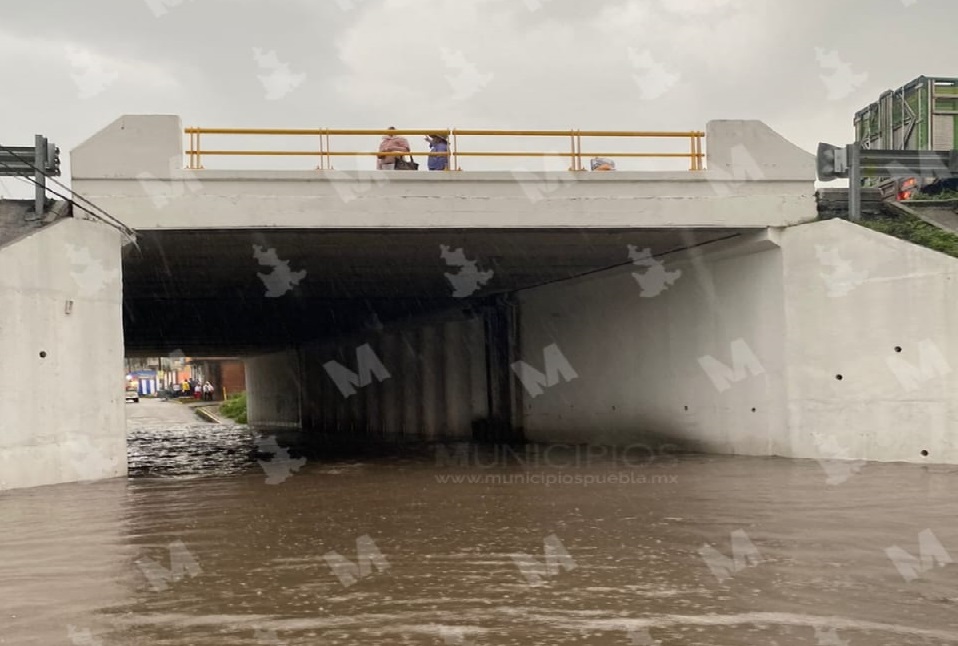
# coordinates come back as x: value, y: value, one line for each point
x: 438, y: 144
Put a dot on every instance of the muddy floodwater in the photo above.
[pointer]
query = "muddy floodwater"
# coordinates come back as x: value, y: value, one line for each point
x: 208, y: 543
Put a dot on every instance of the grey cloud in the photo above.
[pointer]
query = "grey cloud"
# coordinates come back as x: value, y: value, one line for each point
x: 638, y: 64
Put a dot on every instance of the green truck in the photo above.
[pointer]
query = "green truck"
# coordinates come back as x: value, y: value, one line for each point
x: 921, y: 115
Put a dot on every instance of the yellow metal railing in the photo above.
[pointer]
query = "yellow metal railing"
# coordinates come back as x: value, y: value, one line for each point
x: 325, y: 152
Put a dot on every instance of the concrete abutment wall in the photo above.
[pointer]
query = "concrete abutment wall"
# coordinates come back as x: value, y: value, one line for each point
x: 61, y: 346
x: 825, y: 341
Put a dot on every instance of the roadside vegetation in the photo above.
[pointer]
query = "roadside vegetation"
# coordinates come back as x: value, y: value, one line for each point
x: 944, y: 195
x: 916, y: 231
x: 235, y: 408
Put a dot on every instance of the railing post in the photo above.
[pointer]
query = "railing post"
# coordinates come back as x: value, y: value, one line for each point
x: 455, y: 148
x: 322, y: 160
x: 578, y: 140
x: 449, y: 149
x: 572, y: 141
x: 329, y: 158
x: 192, y: 151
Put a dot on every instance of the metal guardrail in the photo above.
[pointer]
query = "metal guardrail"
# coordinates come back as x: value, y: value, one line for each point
x: 854, y: 162
x: 325, y: 151
x: 37, y: 161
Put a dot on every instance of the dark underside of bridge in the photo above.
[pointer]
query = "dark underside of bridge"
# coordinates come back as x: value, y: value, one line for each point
x: 215, y: 292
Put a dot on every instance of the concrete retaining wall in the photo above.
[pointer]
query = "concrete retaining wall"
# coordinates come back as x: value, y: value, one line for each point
x: 61, y: 344
x: 853, y: 298
x: 423, y: 381
x: 829, y: 341
x: 659, y: 367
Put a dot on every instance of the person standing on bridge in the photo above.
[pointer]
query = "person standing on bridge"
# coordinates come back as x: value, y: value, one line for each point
x: 438, y: 144
x: 391, y: 144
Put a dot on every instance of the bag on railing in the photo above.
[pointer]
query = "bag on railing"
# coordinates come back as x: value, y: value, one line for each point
x: 402, y: 164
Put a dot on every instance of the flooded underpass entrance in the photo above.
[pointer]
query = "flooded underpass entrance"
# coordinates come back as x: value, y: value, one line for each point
x: 534, y: 463
x: 469, y: 544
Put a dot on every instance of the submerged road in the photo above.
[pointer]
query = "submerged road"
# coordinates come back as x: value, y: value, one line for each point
x: 158, y: 412
x: 209, y: 548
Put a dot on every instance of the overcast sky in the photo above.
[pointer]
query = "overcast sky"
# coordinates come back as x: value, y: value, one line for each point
x: 804, y: 67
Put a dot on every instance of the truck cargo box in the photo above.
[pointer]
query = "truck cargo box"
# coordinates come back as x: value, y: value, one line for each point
x: 921, y: 115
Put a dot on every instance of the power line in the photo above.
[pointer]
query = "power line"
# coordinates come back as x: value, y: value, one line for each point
x: 122, y: 228
x: 61, y: 184
x: 30, y: 164
x: 103, y: 216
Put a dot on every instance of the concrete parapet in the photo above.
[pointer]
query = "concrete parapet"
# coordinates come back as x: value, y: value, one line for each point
x: 134, y: 169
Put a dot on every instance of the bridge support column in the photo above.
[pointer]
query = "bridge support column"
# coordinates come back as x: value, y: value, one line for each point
x: 501, y: 321
x: 273, y: 391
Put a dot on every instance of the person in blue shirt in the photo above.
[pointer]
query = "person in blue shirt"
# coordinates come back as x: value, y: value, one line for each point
x: 438, y: 144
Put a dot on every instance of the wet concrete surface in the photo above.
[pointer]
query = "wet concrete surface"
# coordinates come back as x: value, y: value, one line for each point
x: 464, y: 546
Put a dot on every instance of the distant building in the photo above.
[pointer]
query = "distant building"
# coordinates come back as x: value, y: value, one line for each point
x: 145, y: 380
x: 227, y: 374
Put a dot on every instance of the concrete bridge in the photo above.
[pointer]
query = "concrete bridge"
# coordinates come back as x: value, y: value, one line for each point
x: 705, y: 310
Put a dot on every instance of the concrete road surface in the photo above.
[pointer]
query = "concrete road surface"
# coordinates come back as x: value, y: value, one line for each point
x: 157, y: 411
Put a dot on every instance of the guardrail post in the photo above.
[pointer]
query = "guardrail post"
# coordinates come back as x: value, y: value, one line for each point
x: 40, y: 157
x: 854, y: 182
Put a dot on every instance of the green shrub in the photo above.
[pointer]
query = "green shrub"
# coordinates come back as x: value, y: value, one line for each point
x: 915, y: 231
x: 235, y: 408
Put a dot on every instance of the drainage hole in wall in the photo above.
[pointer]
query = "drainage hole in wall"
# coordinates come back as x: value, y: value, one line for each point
x: 924, y: 452
x: 839, y: 377
x: 685, y: 407
x: 43, y: 354
x: 753, y: 410
x: 897, y: 348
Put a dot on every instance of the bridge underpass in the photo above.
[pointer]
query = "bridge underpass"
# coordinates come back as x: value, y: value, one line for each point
x: 438, y: 309
x: 739, y: 332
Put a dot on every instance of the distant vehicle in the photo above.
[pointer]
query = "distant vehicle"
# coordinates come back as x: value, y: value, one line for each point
x: 132, y: 392
x: 921, y: 115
